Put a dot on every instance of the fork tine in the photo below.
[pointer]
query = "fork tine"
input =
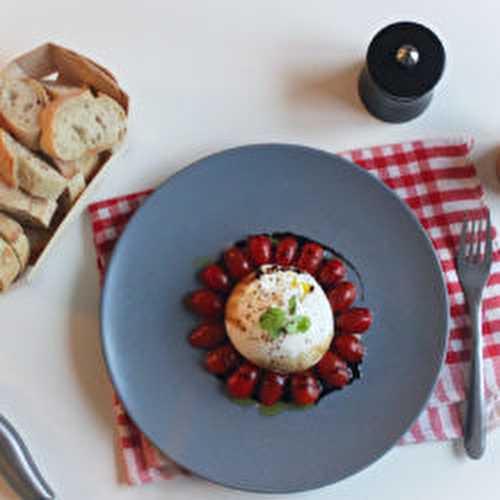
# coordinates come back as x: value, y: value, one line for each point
x: 489, y: 244
x: 470, y: 243
x: 463, y: 239
x: 478, y: 231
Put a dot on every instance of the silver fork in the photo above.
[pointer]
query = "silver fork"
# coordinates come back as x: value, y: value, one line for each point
x: 473, y: 271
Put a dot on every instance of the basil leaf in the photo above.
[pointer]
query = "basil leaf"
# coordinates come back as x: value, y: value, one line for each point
x: 273, y: 321
x: 303, y: 323
x: 292, y: 305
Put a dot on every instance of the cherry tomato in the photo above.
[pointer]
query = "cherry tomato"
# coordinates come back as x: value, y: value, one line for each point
x: 305, y: 388
x: 207, y: 335
x: 242, y: 382
x: 237, y: 263
x: 206, y: 303
x: 272, y: 388
x: 349, y: 348
x: 342, y: 296
x: 222, y: 360
x: 310, y: 257
x: 332, y: 272
x: 286, y: 251
x: 261, y: 249
x: 333, y: 370
x: 214, y: 277
x: 355, y: 320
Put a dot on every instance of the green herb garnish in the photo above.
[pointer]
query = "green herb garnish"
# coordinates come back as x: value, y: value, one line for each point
x: 273, y: 321
x: 303, y: 323
x: 276, y: 321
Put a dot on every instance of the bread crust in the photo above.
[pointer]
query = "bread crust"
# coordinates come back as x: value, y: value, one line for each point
x: 49, y: 117
x: 47, y: 123
x: 9, y: 265
x: 21, y: 169
x: 30, y: 138
x: 25, y: 208
x: 13, y: 233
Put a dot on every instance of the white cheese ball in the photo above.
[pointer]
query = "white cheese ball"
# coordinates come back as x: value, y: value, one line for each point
x: 297, y: 294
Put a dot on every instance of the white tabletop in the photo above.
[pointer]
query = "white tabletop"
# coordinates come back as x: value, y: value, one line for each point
x: 203, y: 76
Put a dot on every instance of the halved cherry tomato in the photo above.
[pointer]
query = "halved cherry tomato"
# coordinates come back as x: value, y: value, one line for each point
x: 333, y: 370
x: 305, y: 388
x: 332, y: 272
x: 206, y: 303
x: 214, y: 277
x: 272, y: 388
x: 310, y: 257
x: 260, y: 249
x: 349, y: 348
x: 237, y: 263
x: 242, y: 382
x: 207, y: 335
x: 222, y: 360
x: 355, y: 320
x: 342, y: 296
x: 286, y: 251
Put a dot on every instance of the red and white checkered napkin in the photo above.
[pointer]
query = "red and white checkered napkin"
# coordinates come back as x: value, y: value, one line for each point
x: 438, y: 182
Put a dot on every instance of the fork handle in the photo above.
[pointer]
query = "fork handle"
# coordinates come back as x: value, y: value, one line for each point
x: 475, y: 423
x: 18, y: 467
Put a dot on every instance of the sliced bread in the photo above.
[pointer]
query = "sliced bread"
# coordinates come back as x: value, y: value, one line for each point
x: 25, y: 208
x: 21, y: 102
x: 13, y: 233
x: 77, y: 125
x: 20, y: 168
x: 74, y: 189
x: 9, y: 265
x: 87, y: 165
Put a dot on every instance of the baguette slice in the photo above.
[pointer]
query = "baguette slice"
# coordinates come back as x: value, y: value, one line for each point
x: 76, y: 186
x: 9, y: 265
x: 21, y: 103
x: 80, y: 124
x: 25, y: 208
x: 13, y: 233
x: 87, y: 165
x: 20, y: 168
x: 56, y: 90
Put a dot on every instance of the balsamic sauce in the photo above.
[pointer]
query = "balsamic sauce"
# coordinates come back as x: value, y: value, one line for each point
x: 330, y: 252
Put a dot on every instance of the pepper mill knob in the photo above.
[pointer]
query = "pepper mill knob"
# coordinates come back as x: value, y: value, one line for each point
x: 407, y: 56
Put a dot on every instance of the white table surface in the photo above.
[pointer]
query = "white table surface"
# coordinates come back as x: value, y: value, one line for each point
x: 204, y: 76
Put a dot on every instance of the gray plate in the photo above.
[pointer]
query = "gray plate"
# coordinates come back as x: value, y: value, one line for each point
x: 206, y: 207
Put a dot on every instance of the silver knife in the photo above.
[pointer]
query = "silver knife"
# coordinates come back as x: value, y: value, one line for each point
x: 18, y: 467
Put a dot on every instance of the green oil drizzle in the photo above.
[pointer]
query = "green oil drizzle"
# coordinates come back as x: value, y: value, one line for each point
x: 273, y: 410
x: 201, y: 262
x: 244, y: 402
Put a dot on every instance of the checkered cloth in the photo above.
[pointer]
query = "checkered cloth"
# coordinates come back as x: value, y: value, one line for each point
x: 438, y: 181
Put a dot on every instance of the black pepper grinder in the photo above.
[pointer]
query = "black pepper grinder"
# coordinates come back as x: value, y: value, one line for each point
x: 404, y: 63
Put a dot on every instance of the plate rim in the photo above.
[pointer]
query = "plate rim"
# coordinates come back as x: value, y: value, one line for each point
x: 200, y: 163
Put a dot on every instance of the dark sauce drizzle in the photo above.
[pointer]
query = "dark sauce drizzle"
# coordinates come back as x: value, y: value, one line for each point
x: 330, y: 252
